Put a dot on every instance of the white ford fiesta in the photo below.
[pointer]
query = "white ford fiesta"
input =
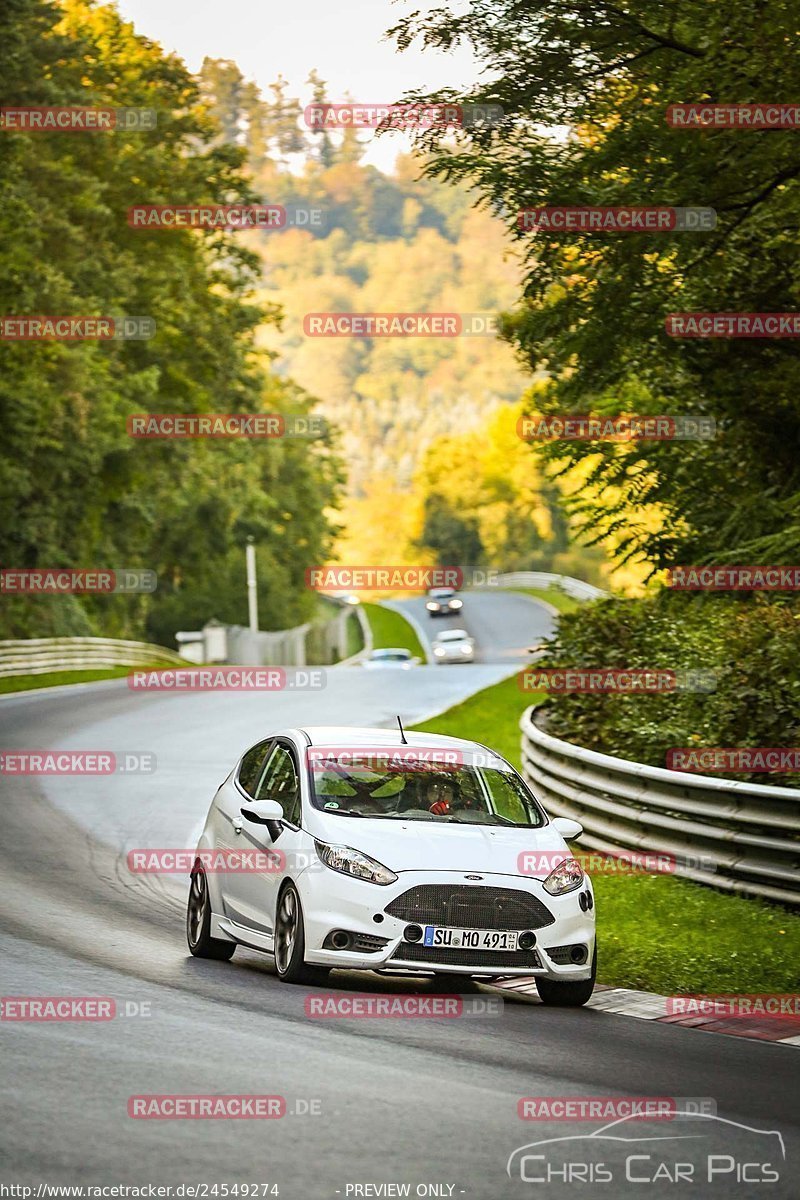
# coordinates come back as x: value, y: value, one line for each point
x: 377, y: 850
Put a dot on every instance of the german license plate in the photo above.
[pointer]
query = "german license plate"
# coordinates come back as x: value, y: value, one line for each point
x: 470, y: 939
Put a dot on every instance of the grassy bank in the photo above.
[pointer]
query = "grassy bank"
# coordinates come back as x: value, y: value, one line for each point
x: 559, y: 600
x: 389, y: 628
x: 24, y: 683
x: 655, y: 932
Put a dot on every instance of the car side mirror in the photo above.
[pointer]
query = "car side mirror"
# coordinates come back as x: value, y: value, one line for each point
x: 262, y: 811
x: 569, y: 830
x: 265, y: 812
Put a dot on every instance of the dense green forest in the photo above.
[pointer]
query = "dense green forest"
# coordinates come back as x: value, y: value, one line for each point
x: 75, y: 489
x: 592, y: 316
x: 398, y: 242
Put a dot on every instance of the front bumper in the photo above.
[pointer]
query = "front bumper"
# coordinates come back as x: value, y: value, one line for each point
x: 332, y: 901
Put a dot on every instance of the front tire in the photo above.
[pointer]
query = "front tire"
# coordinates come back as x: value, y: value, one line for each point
x: 290, y: 940
x: 198, y: 922
x: 564, y: 994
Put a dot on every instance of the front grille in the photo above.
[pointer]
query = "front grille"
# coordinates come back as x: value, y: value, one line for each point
x: 448, y: 956
x: 462, y: 907
x: 561, y: 955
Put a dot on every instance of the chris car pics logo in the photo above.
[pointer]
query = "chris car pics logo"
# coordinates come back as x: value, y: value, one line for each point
x: 696, y: 1153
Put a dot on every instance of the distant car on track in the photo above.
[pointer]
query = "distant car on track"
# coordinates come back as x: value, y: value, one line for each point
x: 442, y: 602
x: 411, y: 853
x: 454, y: 645
x: 394, y: 658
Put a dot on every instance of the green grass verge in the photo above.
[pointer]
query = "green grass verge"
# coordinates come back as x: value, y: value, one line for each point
x: 24, y: 683
x: 389, y: 628
x: 554, y: 596
x: 655, y: 932
x: 491, y: 716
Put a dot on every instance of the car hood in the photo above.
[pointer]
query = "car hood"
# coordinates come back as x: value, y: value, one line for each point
x: 434, y: 846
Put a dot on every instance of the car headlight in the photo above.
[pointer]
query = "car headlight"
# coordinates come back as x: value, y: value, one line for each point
x: 456, y: 603
x: 353, y: 862
x: 438, y: 651
x: 566, y: 877
x: 431, y: 607
x: 466, y: 649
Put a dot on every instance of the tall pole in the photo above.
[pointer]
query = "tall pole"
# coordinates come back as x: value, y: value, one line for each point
x: 252, y: 585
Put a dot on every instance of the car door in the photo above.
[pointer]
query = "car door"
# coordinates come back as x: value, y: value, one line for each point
x: 225, y: 818
x: 251, y: 895
x: 283, y: 784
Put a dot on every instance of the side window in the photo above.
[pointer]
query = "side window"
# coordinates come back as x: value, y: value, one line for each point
x: 250, y: 766
x: 279, y: 782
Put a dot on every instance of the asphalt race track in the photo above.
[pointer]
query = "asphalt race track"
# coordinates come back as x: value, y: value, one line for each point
x: 425, y: 1102
x: 498, y: 639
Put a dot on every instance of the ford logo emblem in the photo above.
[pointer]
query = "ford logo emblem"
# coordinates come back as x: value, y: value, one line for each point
x: 473, y: 877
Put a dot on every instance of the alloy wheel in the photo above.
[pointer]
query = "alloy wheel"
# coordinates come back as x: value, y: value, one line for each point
x: 286, y: 931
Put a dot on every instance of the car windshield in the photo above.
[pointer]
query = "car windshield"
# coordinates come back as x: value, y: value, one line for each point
x: 453, y: 635
x: 441, y: 593
x: 390, y: 655
x: 466, y: 794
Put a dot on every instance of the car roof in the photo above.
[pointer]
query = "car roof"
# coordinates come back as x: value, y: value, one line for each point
x: 357, y: 735
x: 452, y: 635
x: 443, y: 591
x: 383, y: 650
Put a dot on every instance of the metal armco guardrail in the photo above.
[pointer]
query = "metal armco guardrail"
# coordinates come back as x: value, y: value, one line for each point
x: 37, y: 656
x: 579, y: 589
x: 741, y: 837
